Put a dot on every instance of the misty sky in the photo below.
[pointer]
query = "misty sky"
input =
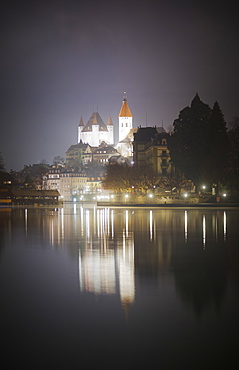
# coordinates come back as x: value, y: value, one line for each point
x: 63, y: 59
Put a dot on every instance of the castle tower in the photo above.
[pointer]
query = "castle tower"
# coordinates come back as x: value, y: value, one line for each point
x: 110, y: 128
x: 125, y: 119
x: 80, y: 128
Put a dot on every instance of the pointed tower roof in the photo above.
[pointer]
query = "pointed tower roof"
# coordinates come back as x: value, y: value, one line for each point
x: 81, y: 123
x: 95, y: 119
x: 109, y: 122
x: 125, y: 110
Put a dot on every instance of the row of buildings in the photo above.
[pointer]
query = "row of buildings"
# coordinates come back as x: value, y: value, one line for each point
x: 84, y: 169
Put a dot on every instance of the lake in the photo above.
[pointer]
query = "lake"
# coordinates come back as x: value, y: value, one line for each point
x: 99, y: 287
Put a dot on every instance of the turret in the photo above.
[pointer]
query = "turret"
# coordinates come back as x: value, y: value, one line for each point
x: 110, y: 128
x: 80, y: 128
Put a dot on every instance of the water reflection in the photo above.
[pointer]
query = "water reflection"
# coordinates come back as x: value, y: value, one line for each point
x: 114, y: 246
x: 225, y: 225
x: 169, y: 274
x: 186, y: 225
x: 204, y: 230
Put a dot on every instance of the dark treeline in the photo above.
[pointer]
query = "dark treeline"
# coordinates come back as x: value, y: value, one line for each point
x: 203, y: 148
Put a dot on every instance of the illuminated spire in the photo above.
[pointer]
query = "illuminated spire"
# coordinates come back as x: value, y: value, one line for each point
x: 125, y: 110
x: 81, y: 123
x: 109, y: 122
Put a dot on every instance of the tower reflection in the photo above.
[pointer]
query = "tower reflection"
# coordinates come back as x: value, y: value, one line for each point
x: 106, y: 266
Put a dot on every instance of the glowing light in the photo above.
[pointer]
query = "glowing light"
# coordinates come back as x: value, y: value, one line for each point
x: 185, y: 195
x: 224, y: 194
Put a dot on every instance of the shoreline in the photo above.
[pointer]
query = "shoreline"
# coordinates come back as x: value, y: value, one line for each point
x: 131, y: 205
x: 169, y: 205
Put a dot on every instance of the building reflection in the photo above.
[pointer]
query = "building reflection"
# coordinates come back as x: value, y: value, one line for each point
x: 108, y: 266
x: 119, y: 249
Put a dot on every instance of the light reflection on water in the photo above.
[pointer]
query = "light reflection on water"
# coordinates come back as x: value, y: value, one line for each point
x: 168, y: 273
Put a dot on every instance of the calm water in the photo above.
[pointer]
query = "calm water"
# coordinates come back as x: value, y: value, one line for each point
x: 147, y: 289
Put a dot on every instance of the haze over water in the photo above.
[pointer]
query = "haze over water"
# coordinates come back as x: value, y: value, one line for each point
x: 148, y: 289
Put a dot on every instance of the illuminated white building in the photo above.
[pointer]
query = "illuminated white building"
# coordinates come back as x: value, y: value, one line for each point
x: 96, y: 131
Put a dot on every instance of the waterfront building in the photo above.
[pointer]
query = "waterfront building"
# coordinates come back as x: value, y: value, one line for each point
x: 33, y: 197
x: 72, y: 185
x: 150, y: 147
x: 51, y: 180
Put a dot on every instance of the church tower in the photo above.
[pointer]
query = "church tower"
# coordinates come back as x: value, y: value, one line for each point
x: 125, y: 119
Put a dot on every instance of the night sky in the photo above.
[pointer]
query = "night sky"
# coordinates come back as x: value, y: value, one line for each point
x: 64, y: 59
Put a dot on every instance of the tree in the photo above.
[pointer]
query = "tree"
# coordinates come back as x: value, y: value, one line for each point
x: 58, y: 160
x: 122, y: 177
x: 198, y: 145
x: 117, y: 177
x: 215, y: 166
x: 174, y: 180
x: 29, y: 182
x: 144, y: 178
x: 233, y: 168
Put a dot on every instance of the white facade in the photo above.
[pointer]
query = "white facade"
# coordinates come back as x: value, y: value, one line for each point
x: 72, y: 186
x: 96, y: 131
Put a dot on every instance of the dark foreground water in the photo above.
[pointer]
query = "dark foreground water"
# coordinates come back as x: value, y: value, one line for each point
x: 102, y: 288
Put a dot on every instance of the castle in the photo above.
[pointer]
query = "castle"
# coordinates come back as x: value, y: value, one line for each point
x: 95, y: 132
